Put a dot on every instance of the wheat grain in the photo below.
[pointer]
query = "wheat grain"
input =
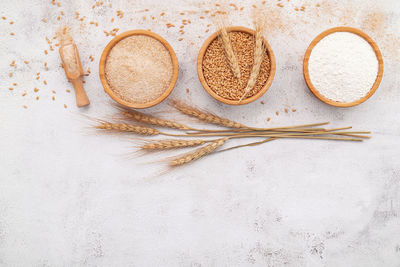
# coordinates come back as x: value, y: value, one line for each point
x: 144, y: 118
x: 258, y: 58
x: 230, y: 55
x: 124, y: 127
x: 198, y: 153
x: 171, y: 144
x: 205, y: 116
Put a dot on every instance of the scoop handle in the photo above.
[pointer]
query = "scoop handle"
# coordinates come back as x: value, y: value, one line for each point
x: 80, y: 94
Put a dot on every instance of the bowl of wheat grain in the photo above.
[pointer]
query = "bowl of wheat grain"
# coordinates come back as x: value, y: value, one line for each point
x: 236, y: 65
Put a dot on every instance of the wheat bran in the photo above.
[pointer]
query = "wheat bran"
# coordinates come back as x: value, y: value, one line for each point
x: 139, y: 69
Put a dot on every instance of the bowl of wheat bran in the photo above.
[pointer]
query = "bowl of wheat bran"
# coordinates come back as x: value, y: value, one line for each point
x: 138, y: 69
x: 218, y: 79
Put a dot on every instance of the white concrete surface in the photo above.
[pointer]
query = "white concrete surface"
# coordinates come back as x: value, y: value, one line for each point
x: 71, y: 198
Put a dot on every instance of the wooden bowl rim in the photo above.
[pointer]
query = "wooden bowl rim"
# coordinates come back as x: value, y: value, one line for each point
x: 211, y: 92
x: 107, y: 50
x: 307, y: 58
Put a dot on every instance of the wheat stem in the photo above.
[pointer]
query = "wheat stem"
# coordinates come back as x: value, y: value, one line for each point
x: 289, y: 127
x: 274, y: 134
x: 303, y: 130
x: 298, y: 136
x: 246, y: 145
x: 354, y: 135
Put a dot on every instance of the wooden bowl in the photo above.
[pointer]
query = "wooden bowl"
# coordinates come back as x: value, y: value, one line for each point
x: 228, y: 101
x: 307, y: 75
x: 102, y: 65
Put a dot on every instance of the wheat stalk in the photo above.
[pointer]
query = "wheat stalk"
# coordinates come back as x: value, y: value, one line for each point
x: 230, y: 55
x: 249, y: 144
x: 140, y: 117
x: 149, y: 119
x: 124, y: 127
x: 171, y: 144
x: 205, y: 116
x: 258, y: 58
x: 198, y: 153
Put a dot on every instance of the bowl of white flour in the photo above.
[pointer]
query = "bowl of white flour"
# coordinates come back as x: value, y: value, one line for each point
x: 343, y: 67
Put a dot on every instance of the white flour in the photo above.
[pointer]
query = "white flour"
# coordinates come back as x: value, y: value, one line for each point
x: 343, y: 67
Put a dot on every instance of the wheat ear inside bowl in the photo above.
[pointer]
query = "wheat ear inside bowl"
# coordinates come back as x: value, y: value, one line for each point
x: 343, y: 67
x: 138, y: 69
x: 220, y: 79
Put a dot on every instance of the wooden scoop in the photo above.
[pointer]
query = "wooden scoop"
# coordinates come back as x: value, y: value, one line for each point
x: 73, y: 70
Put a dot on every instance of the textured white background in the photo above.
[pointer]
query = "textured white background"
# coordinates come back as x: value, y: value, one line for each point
x: 71, y: 198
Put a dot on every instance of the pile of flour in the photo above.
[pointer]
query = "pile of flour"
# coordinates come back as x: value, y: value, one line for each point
x: 343, y: 67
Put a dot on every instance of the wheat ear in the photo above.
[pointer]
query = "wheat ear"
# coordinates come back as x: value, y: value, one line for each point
x: 171, y: 144
x: 258, y: 58
x: 205, y: 116
x: 124, y: 127
x: 230, y: 55
x: 198, y: 153
x: 149, y: 119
